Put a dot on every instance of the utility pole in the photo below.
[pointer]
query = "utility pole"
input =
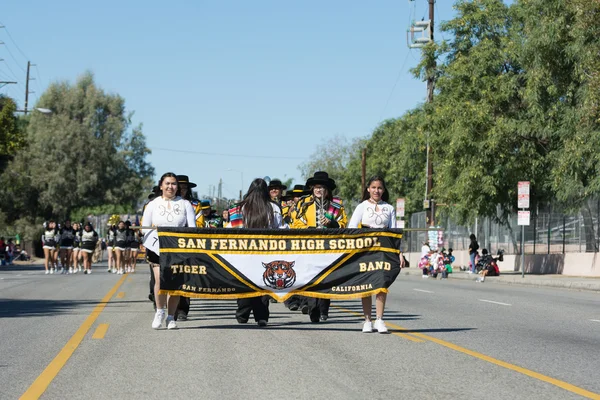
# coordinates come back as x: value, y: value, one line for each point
x: 430, y: 87
x: 27, y: 87
x: 29, y: 65
x: 220, y: 192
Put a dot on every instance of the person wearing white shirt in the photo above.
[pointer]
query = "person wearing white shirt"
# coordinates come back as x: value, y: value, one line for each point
x: 166, y: 210
x: 374, y: 212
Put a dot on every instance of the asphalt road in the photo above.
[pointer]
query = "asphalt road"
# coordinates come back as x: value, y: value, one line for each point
x: 451, y: 339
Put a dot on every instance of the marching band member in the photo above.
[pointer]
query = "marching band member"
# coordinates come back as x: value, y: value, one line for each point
x: 256, y: 210
x: 89, y: 238
x: 134, y: 247
x: 169, y: 209
x: 110, y: 245
x: 76, y: 247
x: 374, y: 212
x: 49, y: 240
x: 185, y: 191
x: 211, y: 219
x: 291, y: 198
x: 67, y: 236
x: 185, y: 186
x: 319, y: 210
x: 121, y: 237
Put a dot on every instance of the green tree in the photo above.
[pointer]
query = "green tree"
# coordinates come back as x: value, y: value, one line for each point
x: 11, y: 134
x: 84, y: 154
x: 340, y: 158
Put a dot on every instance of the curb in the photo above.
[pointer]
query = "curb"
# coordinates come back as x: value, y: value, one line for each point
x: 527, y: 281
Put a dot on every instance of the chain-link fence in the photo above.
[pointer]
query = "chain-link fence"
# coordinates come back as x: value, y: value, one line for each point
x: 548, y: 232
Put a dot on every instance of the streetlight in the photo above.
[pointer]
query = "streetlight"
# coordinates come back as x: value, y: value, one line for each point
x: 39, y: 109
x: 242, y: 175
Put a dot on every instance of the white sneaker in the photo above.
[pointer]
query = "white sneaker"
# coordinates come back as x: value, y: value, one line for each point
x: 80, y: 269
x: 379, y: 326
x: 114, y: 271
x: 89, y: 271
x: 367, y: 327
x: 51, y: 270
x: 158, y: 318
x: 75, y: 270
x: 71, y: 270
x: 47, y: 272
x: 425, y: 276
x: 171, y: 322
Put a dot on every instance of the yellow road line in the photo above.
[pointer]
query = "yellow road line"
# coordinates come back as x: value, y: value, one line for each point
x: 100, y: 331
x: 120, y: 295
x: 556, y: 382
x: 39, y: 386
x: 402, y: 335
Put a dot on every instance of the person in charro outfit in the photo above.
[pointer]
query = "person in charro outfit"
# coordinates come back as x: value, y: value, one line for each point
x: 291, y: 198
x: 185, y: 191
x: 320, y: 209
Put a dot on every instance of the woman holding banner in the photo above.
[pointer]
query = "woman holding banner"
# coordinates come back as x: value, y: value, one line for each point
x: 166, y: 210
x: 256, y: 210
x: 374, y: 212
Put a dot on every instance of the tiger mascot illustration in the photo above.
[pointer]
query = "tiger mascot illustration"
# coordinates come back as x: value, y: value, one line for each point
x: 279, y: 274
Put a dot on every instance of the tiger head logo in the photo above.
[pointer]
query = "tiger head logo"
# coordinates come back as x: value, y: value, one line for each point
x: 279, y: 274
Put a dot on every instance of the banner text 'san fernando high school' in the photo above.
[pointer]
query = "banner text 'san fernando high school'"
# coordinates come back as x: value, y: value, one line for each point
x: 232, y: 263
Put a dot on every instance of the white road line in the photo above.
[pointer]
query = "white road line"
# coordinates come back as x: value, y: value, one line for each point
x: 421, y: 290
x: 595, y: 320
x: 495, y: 302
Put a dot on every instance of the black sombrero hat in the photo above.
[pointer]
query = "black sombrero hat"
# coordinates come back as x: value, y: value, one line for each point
x: 204, y: 204
x: 321, y: 178
x: 297, y: 191
x: 185, y: 179
x: 155, y: 193
x: 276, y: 183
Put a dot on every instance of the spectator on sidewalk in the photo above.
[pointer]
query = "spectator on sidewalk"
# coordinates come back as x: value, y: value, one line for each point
x: 2, y: 251
x: 473, y: 252
x: 10, y: 252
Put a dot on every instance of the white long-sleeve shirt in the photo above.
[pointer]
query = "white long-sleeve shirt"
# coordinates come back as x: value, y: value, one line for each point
x: 176, y: 213
x: 366, y: 214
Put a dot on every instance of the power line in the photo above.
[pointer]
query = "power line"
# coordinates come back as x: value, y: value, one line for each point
x: 39, y: 78
x: 13, y: 40
x: 13, y: 57
x: 228, y: 155
x: 394, y: 87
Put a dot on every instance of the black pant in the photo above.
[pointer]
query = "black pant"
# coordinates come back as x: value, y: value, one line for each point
x: 152, y: 281
x: 294, y: 300
x: 321, y: 304
x: 184, y: 305
x: 258, y: 305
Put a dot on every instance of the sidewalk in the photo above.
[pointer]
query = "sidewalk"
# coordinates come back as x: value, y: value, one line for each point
x: 514, y: 278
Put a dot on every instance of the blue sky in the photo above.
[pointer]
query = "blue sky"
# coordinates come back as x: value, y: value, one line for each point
x: 261, y: 78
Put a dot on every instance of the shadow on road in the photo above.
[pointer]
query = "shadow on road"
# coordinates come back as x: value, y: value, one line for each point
x: 13, y: 308
x: 21, y: 268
